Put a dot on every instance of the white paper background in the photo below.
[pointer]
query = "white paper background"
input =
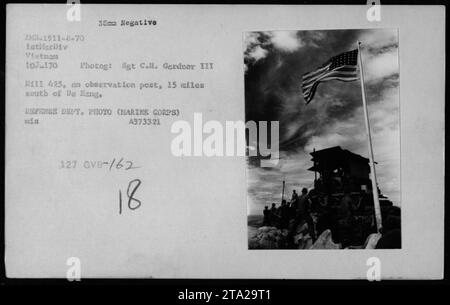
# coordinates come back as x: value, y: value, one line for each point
x: 193, y: 222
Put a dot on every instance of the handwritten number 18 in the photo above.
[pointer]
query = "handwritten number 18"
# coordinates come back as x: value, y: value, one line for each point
x: 133, y: 203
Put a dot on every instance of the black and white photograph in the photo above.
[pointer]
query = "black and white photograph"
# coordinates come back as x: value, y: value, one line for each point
x: 191, y: 142
x: 336, y: 181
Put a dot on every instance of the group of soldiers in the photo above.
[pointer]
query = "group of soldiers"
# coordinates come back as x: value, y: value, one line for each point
x: 341, y: 215
x: 291, y: 214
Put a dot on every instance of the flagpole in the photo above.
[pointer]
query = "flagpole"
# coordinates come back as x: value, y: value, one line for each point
x: 376, y: 200
x: 315, y: 171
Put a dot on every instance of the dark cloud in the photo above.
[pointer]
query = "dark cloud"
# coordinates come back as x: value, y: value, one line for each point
x: 273, y: 84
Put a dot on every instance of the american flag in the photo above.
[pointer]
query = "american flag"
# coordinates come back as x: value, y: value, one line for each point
x: 340, y: 67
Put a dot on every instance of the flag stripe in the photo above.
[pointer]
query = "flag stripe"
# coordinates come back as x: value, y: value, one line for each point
x: 332, y: 73
x: 320, y: 70
x: 343, y: 69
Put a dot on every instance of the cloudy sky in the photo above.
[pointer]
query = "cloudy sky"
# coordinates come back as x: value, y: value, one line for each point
x: 274, y: 64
